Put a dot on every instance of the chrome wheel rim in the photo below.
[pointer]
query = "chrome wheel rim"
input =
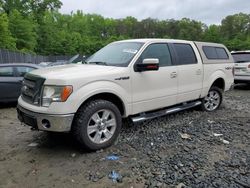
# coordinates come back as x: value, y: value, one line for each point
x: 212, y: 100
x: 101, y: 126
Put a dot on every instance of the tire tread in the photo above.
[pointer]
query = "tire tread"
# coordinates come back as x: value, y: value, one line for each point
x: 80, y: 120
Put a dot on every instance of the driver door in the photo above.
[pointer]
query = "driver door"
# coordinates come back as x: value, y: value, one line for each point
x: 155, y: 89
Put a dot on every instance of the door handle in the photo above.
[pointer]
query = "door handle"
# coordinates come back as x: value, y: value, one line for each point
x: 198, y: 72
x: 173, y: 75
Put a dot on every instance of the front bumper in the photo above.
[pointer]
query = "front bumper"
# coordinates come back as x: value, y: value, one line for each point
x: 45, y: 122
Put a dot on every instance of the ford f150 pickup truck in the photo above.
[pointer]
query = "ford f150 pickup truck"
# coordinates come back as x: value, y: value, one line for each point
x: 139, y: 79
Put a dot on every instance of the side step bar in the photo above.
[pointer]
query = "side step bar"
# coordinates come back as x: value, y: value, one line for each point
x: 163, y: 112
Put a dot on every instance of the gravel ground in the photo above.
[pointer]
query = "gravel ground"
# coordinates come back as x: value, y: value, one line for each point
x: 187, y: 149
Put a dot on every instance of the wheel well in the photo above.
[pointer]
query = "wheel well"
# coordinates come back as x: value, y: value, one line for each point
x: 220, y: 83
x: 109, y: 97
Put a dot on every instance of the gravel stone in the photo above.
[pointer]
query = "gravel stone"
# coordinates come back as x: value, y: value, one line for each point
x: 151, y: 153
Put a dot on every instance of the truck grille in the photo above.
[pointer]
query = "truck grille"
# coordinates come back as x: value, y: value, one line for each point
x: 32, y: 88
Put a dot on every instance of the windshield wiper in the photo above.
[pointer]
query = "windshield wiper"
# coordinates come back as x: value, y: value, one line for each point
x: 98, y: 63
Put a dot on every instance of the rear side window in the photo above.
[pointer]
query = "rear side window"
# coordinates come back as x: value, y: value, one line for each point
x: 159, y: 51
x: 215, y: 52
x: 21, y: 71
x: 6, y: 72
x: 185, y: 54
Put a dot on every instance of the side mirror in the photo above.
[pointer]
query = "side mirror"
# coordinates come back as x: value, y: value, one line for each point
x: 147, y: 65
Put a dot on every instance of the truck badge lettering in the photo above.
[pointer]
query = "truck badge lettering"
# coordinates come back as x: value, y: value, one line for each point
x: 122, y: 78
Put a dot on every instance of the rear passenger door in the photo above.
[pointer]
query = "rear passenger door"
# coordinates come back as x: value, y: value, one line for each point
x: 190, y: 71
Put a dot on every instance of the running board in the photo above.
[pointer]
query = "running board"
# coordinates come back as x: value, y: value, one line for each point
x: 166, y: 111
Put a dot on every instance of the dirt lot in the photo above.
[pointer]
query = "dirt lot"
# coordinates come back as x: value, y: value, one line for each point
x: 183, y: 149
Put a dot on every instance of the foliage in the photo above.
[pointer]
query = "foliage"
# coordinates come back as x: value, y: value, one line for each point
x: 36, y: 7
x: 6, y: 40
x: 212, y: 34
x: 23, y: 31
x: 37, y: 26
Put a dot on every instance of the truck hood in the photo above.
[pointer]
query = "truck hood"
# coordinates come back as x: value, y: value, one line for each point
x: 65, y: 72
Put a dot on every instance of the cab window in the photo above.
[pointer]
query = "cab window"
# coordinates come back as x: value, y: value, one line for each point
x: 185, y: 54
x: 22, y: 70
x: 158, y: 51
x: 6, y: 72
x: 215, y: 52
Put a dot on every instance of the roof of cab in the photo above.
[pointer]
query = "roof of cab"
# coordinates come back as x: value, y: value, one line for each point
x: 155, y: 40
x: 147, y: 40
x: 20, y: 64
x: 240, y: 52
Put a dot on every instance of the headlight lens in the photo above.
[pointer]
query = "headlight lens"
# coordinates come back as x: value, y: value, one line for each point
x: 55, y: 94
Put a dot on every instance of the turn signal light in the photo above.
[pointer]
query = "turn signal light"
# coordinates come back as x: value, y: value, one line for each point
x: 67, y: 90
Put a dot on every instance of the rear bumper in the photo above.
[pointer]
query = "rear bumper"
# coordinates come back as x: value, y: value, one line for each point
x: 242, y: 79
x: 45, y: 122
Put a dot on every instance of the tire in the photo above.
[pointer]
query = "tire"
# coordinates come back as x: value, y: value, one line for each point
x: 213, y: 100
x: 97, y: 124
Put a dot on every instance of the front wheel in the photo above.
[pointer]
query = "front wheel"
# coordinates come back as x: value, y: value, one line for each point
x: 97, y: 124
x: 213, y: 99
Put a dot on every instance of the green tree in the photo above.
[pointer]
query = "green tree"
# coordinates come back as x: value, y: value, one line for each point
x: 190, y: 29
x: 172, y: 28
x: 71, y: 43
x: 9, y: 5
x: 37, y: 26
x: 234, y: 25
x: 146, y: 28
x: 212, y: 34
x: 6, y: 40
x: 126, y: 27
x: 40, y: 7
x: 235, y: 31
x: 27, y: 7
x: 110, y: 28
x: 23, y: 30
x: 77, y: 23
x: 49, y: 38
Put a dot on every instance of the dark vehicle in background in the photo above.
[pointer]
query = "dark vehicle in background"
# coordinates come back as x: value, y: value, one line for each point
x: 242, y: 66
x: 77, y: 59
x: 11, y: 77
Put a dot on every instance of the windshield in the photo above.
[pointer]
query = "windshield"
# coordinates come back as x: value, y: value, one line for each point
x: 241, y: 58
x: 115, y: 54
x: 73, y: 58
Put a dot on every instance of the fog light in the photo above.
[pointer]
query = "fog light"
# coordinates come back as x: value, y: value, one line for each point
x: 46, y: 123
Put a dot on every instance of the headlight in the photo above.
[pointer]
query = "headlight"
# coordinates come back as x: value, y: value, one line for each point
x: 55, y: 94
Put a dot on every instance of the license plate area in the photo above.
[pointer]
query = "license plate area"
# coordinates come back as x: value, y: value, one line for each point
x: 27, y: 119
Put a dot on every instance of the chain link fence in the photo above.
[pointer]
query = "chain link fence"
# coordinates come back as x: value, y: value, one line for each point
x: 7, y: 56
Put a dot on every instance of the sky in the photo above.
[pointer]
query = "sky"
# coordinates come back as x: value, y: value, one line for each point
x: 206, y: 11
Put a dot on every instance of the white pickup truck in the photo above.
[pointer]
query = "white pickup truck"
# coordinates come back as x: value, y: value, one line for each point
x: 140, y: 79
x: 242, y: 66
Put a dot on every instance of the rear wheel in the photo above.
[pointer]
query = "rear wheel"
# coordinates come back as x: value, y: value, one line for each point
x: 97, y: 124
x: 213, y: 99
